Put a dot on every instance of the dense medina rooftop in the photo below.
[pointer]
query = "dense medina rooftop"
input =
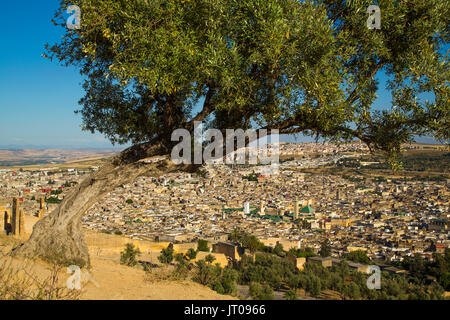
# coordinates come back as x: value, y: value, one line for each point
x: 390, y: 218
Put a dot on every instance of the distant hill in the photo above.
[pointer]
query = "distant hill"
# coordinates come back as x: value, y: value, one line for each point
x: 25, y: 157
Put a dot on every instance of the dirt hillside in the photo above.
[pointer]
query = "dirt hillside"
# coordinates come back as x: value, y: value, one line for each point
x: 111, y: 279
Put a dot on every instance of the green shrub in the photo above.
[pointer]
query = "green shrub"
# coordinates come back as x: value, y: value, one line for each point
x: 182, y: 268
x: 210, y: 258
x: 202, y: 245
x: 261, y: 291
x: 290, y: 295
x: 191, y: 253
x: 129, y: 255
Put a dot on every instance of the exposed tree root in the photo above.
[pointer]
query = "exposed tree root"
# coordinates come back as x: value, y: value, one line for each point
x: 59, y: 235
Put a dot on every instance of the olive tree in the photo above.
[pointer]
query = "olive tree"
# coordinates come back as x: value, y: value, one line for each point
x: 153, y: 66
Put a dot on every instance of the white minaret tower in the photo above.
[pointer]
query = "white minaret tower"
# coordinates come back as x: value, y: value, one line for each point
x: 246, y: 207
x: 296, y: 208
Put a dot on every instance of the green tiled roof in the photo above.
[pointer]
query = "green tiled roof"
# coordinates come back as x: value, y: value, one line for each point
x: 307, y: 209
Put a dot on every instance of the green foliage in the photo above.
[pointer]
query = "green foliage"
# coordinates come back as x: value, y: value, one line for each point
x: 57, y: 256
x: 439, y: 267
x: 325, y: 249
x: 210, y: 258
x: 267, y: 268
x: 166, y: 255
x: 270, y: 272
x: 202, y: 245
x: 352, y: 291
x: 206, y: 273
x: 226, y: 284
x: 290, y: 295
x: 191, y: 253
x: 352, y: 284
x: 251, y: 177
x: 314, y: 286
x: 221, y: 280
x: 276, y: 272
x: 182, y: 267
x: 56, y: 192
x: 129, y: 256
x: 53, y: 200
x: 444, y: 281
x: 358, y: 256
x: 251, y: 242
x: 261, y: 292
x: 247, y: 240
x: 278, y: 250
x: 70, y: 184
x: 302, y: 253
x: 306, y: 67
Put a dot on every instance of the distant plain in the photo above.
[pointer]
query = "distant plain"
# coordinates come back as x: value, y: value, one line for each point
x: 33, y: 158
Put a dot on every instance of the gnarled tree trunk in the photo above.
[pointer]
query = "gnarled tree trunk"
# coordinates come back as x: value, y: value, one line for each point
x: 59, y: 235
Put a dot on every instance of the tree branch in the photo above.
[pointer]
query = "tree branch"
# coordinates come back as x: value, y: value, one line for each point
x: 352, y: 97
x: 208, y: 107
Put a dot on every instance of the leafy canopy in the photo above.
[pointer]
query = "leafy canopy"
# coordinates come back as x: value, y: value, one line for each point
x: 296, y: 66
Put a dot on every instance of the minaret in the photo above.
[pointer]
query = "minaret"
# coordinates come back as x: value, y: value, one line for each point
x: 246, y: 207
x: 261, y: 208
x: 42, y: 209
x: 21, y: 223
x: 15, y: 217
x: 6, y: 222
x: 296, y: 208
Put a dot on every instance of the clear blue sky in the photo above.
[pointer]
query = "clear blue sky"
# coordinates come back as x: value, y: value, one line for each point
x: 38, y: 97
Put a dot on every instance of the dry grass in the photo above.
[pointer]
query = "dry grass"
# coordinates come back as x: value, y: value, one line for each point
x: 20, y: 283
x: 161, y: 274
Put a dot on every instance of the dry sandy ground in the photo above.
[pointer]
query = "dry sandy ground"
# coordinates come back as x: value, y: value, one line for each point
x: 119, y: 282
x: 115, y: 281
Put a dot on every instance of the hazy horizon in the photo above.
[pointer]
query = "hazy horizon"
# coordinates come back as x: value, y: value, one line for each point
x: 283, y: 138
